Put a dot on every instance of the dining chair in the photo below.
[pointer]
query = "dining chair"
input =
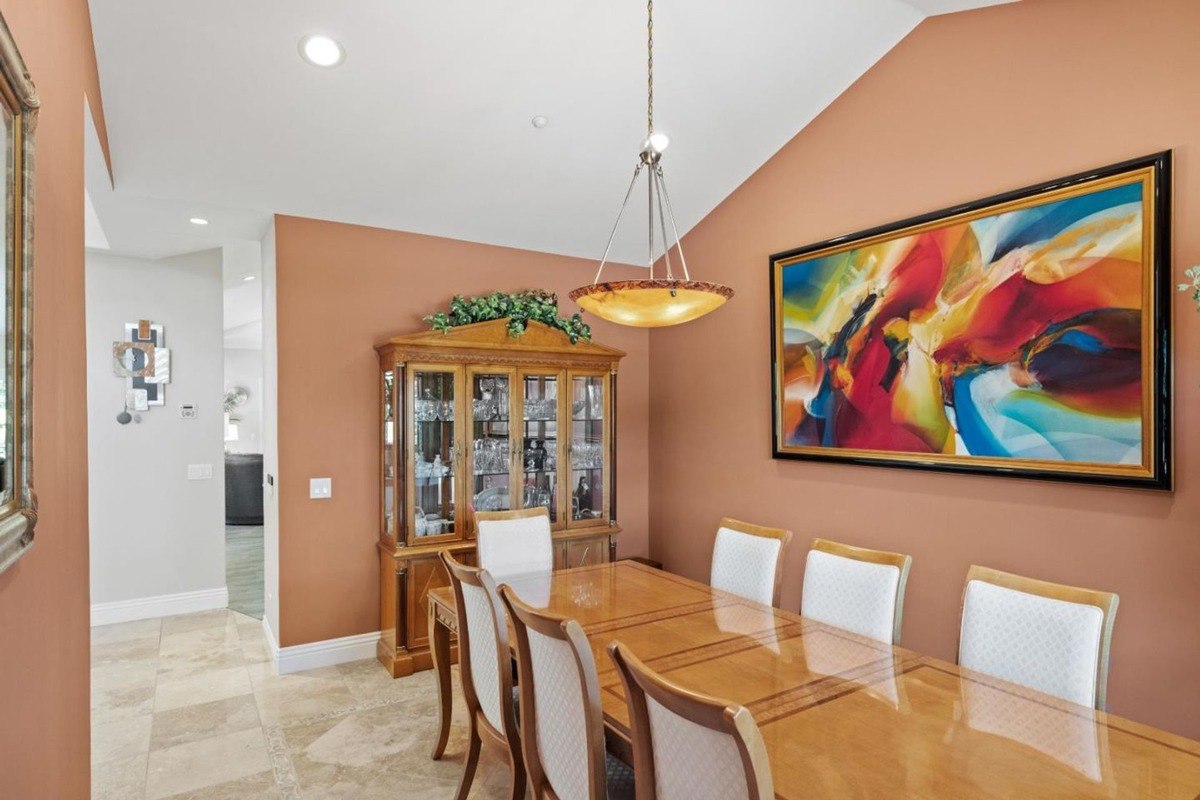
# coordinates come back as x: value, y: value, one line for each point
x: 486, y: 671
x: 748, y: 560
x: 562, y: 723
x: 1041, y: 635
x: 514, y: 542
x: 687, y: 746
x: 855, y: 589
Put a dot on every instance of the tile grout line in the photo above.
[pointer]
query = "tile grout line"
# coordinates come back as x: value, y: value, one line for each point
x: 277, y: 748
x: 153, y: 704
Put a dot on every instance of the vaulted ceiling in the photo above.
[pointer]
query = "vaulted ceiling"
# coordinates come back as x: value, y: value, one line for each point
x: 426, y: 126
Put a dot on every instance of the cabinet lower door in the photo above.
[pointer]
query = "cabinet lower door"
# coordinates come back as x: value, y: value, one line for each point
x: 424, y: 574
x: 581, y: 552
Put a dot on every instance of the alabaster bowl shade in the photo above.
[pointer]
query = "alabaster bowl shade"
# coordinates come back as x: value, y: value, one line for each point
x: 651, y: 303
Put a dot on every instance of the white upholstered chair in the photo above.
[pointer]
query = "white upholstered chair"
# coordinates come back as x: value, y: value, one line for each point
x: 855, y: 589
x: 562, y: 722
x: 747, y: 560
x: 486, y: 669
x: 687, y: 746
x: 1042, y: 635
x: 514, y: 542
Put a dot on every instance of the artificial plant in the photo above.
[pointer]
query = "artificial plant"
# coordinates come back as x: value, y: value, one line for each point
x: 532, y: 304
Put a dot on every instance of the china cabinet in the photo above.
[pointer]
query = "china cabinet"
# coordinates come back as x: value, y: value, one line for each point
x: 475, y: 420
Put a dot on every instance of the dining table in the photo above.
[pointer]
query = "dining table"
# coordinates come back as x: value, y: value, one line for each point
x: 842, y: 715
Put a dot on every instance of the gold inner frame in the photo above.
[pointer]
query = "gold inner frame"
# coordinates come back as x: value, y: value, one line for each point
x: 1150, y: 311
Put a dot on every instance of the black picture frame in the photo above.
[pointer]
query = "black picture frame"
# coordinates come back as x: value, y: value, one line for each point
x: 1157, y: 470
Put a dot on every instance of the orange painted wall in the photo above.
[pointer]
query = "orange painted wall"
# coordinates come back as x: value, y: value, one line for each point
x: 341, y: 289
x: 966, y: 106
x: 44, y: 618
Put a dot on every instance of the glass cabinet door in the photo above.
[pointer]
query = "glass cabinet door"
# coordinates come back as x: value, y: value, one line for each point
x: 388, y: 463
x: 540, y: 448
x: 436, y: 453
x: 589, y: 449
x: 491, y: 459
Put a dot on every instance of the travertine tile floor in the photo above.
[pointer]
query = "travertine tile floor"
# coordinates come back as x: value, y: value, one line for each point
x: 190, y: 707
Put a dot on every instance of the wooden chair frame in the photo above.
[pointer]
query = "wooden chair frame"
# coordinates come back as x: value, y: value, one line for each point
x: 1105, y: 601
x: 516, y: 513
x: 782, y: 534
x: 899, y: 560
x: 718, y: 715
x: 507, y: 740
x: 563, y: 629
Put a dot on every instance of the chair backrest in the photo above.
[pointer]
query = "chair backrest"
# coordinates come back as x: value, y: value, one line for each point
x: 687, y: 746
x: 748, y: 560
x: 562, y: 721
x: 1046, y: 636
x: 484, y: 656
x: 512, y: 542
x: 856, y: 589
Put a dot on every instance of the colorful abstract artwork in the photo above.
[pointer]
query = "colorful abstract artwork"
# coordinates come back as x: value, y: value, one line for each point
x: 1024, y: 334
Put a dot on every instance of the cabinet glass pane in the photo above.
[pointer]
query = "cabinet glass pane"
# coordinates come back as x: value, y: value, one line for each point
x: 539, y: 454
x: 491, y: 458
x: 587, y: 447
x: 434, y: 451
x: 389, y: 453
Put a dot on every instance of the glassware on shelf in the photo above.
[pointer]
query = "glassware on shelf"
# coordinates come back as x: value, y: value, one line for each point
x: 540, y: 409
x: 491, y: 456
x: 426, y: 408
x: 587, y: 455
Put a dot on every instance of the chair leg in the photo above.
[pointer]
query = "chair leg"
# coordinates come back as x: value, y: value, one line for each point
x: 517, y: 792
x: 472, y: 761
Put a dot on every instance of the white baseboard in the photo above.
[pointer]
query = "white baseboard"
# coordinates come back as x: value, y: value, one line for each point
x: 272, y: 639
x: 163, y: 605
x: 327, y: 653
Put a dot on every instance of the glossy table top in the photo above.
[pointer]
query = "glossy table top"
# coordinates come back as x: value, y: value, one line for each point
x: 844, y: 716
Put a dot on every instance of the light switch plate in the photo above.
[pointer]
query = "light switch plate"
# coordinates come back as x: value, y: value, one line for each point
x: 199, y: 472
x: 320, y: 488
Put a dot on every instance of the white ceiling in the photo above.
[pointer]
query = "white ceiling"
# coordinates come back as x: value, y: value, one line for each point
x: 130, y: 224
x: 426, y: 126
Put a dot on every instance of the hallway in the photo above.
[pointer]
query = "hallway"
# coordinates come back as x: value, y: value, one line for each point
x: 244, y: 569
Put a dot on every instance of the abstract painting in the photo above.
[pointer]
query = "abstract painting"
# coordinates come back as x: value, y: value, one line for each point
x: 1026, y: 334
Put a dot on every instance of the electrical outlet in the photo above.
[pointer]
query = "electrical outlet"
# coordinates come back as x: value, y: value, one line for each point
x: 320, y: 488
x: 199, y: 472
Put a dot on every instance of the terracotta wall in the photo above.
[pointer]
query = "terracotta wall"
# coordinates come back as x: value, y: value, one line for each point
x: 968, y: 105
x: 44, y: 598
x: 342, y: 288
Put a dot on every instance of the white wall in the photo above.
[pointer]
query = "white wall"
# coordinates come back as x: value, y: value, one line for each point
x: 154, y: 533
x: 245, y: 368
x: 270, y: 437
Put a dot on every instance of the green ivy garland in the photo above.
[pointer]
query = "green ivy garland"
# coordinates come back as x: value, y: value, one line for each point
x: 521, y: 307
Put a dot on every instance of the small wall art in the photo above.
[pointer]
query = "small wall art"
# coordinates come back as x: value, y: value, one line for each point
x: 145, y: 363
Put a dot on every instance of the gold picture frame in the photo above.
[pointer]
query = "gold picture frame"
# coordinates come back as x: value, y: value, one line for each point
x: 1025, y: 334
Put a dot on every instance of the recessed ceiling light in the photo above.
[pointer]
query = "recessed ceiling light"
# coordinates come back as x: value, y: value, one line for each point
x: 248, y: 278
x: 321, y: 51
x: 540, y: 122
x: 198, y: 221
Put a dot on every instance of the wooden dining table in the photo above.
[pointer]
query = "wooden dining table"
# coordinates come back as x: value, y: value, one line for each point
x: 843, y: 716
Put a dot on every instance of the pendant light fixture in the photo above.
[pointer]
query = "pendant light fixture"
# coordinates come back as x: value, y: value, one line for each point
x: 652, y: 302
